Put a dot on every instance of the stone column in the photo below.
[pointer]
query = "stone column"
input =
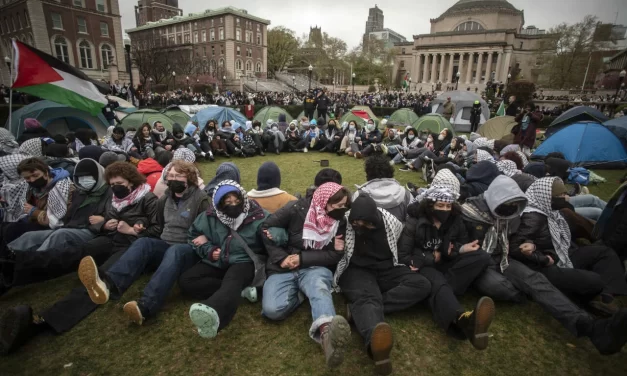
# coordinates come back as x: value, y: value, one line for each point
x: 449, y: 78
x: 461, y: 66
x: 488, y: 69
x: 497, y: 69
x: 424, y: 69
x: 471, y: 61
x: 507, y: 60
x: 417, y: 68
x: 442, y: 63
x: 479, y: 68
x: 434, y: 63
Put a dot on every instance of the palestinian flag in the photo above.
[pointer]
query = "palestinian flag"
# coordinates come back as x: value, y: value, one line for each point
x: 406, y: 81
x: 41, y: 75
x: 501, y: 110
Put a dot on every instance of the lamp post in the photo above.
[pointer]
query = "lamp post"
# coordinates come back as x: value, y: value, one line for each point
x: 353, y: 82
x: 150, y: 79
x: 310, y: 73
x: 129, y: 63
x: 457, y: 76
x: 173, y: 80
x: 224, y: 81
x: 7, y: 61
x: 409, y: 84
x: 187, y: 79
x: 256, y: 84
x: 509, y: 76
x: 621, y: 83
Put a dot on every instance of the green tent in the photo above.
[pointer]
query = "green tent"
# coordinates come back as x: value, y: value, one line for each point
x: 403, y: 117
x: 433, y: 123
x: 176, y: 114
x: 139, y: 117
x: 497, y: 127
x: 351, y: 116
x: 271, y: 112
x: 368, y: 110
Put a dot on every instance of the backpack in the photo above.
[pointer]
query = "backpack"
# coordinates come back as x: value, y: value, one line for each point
x: 578, y: 175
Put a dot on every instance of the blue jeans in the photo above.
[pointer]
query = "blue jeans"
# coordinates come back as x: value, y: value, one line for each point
x: 45, y: 240
x: 282, y: 294
x: 149, y: 253
x: 589, y: 206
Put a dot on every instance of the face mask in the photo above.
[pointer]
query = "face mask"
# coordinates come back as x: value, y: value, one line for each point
x: 441, y: 215
x: 351, y: 127
x: 361, y: 230
x: 331, y: 126
x: 441, y: 137
x: 292, y: 128
x: 370, y: 127
x: 87, y: 182
x: 120, y: 191
x: 506, y: 210
x: 337, y: 214
x: 410, y: 136
x: 177, y: 186
x: 275, y: 128
x: 233, y: 211
x: 39, y: 183
x: 179, y: 135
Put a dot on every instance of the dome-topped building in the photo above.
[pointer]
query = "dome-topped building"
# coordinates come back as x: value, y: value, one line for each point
x: 483, y: 40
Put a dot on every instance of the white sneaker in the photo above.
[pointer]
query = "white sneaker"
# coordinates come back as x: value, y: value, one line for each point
x: 250, y: 293
x: 305, y: 150
x: 392, y: 163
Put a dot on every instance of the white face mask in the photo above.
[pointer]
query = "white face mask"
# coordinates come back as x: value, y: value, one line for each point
x: 410, y: 136
x: 87, y: 182
x: 370, y: 127
x: 441, y: 137
x: 351, y: 127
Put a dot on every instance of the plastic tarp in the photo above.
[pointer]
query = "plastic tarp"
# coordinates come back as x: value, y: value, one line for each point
x: 433, y: 123
x: 497, y: 127
x: 463, y: 101
x: 618, y: 126
x: 56, y: 118
x: 139, y: 117
x: 176, y: 114
x: 586, y: 144
x: 220, y: 114
x: 403, y: 117
x: 271, y: 112
x: 193, y: 109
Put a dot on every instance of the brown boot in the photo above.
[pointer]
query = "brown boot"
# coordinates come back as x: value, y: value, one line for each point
x: 603, y: 306
x: 381, y: 343
x: 134, y: 160
x: 350, y: 153
x: 358, y: 155
x: 334, y: 337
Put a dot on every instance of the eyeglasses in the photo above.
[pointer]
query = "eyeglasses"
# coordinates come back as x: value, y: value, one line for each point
x: 174, y: 177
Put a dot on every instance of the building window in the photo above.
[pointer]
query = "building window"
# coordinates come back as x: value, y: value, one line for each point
x: 204, y: 35
x: 19, y: 20
x: 26, y: 18
x: 101, y: 6
x: 106, y: 54
x: 186, y: 38
x: 237, y: 21
x: 221, y: 63
x: 14, y: 24
x: 249, y: 66
x: 57, y: 22
x: 221, y: 20
x: 212, y: 35
x: 195, y: 37
x: 469, y: 26
x: 60, y: 50
x: 221, y: 50
x: 78, y: 3
x: 258, y: 28
x: 195, y: 25
x: 204, y: 51
x: 213, y: 50
x: 259, y: 39
x: 82, y: 25
x: 402, y: 51
x: 258, y: 68
x: 171, y: 40
x: 104, y: 29
x: 1, y: 28
x: 238, y: 51
x: 221, y: 32
x: 238, y: 34
x: 212, y: 22
x: 402, y: 64
x: 85, y: 53
x: 238, y: 64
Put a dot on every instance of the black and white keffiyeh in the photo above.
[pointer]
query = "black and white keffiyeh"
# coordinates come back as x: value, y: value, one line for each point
x: 496, y: 234
x: 524, y: 158
x: 233, y: 223
x: 7, y: 141
x: 444, y: 187
x: 539, y: 200
x: 32, y: 147
x: 482, y: 142
x: 182, y: 154
x: 507, y: 167
x: 8, y: 166
x: 483, y: 155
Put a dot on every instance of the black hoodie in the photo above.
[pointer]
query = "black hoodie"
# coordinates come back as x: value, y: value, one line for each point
x: 372, y: 249
x: 478, y: 178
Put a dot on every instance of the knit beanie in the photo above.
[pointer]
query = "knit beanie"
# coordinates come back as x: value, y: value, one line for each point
x: 31, y: 123
x: 558, y: 188
x: 268, y: 176
x: 109, y: 157
x: 90, y: 151
x: 327, y: 175
x: 282, y: 118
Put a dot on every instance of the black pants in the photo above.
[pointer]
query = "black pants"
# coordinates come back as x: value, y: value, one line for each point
x: 9, y: 231
x: 75, y: 306
x: 474, y: 125
x: 322, y: 113
x: 309, y: 113
x: 332, y: 145
x: 605, y: 262
x: 258, y: 142
x: 206, y: 147
x: 219, y: 289
x: 578, y: 283
x: 451, y: 279
x: 372, y: 293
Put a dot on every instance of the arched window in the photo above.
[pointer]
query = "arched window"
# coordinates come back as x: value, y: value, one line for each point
x: 249, y: 66
x: 258, y: 68
x: 26, y: 19
x: 469, y: 26
x: 60, y: 50
x: 84, y: 49
x: 221, y: 63
x: 106, y: 54
x: 30, y: 40
x: 238, y: 64
x: 212, y: 66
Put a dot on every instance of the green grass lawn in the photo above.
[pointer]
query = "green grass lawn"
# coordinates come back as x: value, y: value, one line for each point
x: 525, y: 340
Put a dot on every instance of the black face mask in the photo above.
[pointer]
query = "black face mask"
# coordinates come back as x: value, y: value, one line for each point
x: 361, y: 231
x: 120, y: 191
x: 39, y: 183
x: 558, y: 203
x: 176, y: 186
x: 441, y: 215
x: 506, y: 210
x: 337, y: 214
x: 233, y: 211
x: 178, y: 135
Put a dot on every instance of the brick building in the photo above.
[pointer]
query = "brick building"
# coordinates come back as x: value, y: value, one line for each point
x: 84, y: 33
x: 209, y: 45
x: 155, y: 10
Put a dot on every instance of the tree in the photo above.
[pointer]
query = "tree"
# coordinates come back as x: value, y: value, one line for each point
x: 282, y: 45
x: 152, y: 61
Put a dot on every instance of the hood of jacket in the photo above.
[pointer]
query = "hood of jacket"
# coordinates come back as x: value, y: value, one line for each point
x: 483, y: 172
x: 504, y: 190
x: 387, y: 193
x: 148, y: 166
x: 84, y: 164
x: 365, y: 208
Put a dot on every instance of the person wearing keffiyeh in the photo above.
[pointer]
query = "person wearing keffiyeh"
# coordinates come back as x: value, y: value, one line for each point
x: 304, y: 239
x: 435, y: 244
x: 8, y: 145
x: 182, y: 154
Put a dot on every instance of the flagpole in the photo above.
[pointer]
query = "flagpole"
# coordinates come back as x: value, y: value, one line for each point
x: 11, y: 84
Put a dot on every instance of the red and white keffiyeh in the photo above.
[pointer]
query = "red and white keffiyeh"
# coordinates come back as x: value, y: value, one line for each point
x: 319, y: 228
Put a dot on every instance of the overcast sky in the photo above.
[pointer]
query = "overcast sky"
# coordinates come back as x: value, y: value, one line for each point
x: 347, y: 19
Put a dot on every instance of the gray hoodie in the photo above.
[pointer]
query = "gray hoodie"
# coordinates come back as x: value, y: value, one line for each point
x: 388, y: 194
x: 502, y: 190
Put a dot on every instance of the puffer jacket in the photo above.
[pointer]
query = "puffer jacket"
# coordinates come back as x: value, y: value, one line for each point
x: 152, y: 170
x: 534, y: 228
x: 291, y: 218
x: 388, y: 194
x: 143, y: 211
x: 478, y: 179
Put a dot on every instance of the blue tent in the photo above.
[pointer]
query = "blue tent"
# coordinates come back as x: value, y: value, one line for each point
x: 586, y: 144
x: 574, y: 115
x: 221, y: 114
x: 618, y: 126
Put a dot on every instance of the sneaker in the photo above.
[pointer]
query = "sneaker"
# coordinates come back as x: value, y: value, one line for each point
x: 350, y: 154
x: 405, y: 169
x: 475, y: 324
x: 16, y: 328
x: 392, y: 163
x: 334, y: 337
x: 585, y: 191
x: 250, y: 293
x: 305, y: 150
x: 96, y: 288
x: 610, y: 335
x: 411, y: 187
x: 381, y: 343
x: 206, y: 320
x: 134, y: 313
x: 384, y: 149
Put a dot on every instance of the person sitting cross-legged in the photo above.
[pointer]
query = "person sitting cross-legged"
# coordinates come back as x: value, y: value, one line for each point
x: 170, y: 255
x: 373, y: 281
